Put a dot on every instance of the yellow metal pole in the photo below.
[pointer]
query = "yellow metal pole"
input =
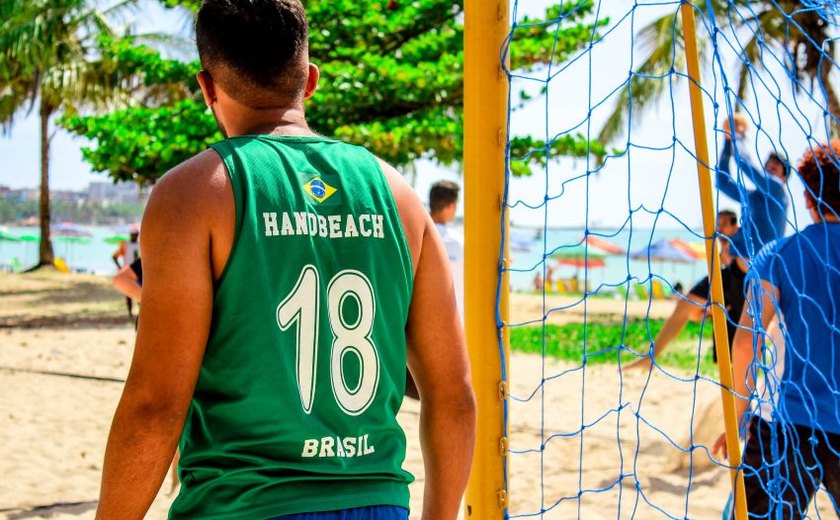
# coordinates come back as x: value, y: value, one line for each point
x: 485, y: 125
x: 733, y: 445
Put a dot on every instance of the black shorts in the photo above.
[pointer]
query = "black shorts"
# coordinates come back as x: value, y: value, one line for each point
x: 784, y: 464
x: 137, y: 268
x: 732, y: 279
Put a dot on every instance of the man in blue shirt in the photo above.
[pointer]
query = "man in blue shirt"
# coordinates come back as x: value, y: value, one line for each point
x: 797, y: 278
x: 764, y: 208
x: 764, y: 215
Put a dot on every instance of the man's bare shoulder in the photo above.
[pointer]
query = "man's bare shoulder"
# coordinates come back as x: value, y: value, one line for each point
x: 413, y: 215
x: 195, y: 180
x: 408, y: 203
x: 195, y: 199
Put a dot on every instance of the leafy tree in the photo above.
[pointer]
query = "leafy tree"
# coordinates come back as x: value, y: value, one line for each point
x: 796, y: 30
x: 392, y: 80
x: 54, y: 57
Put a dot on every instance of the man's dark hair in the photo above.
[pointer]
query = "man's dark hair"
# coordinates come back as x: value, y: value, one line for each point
x: 729, y: 215
x: 773, y: 156
x: 442, y: 194
x: 820, y: 171
x: 256, y: 50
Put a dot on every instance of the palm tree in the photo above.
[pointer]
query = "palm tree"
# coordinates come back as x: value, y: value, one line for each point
x: 51, y: 59
x: 801, y: 32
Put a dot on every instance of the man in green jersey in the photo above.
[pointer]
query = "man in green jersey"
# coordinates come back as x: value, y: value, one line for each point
x: 288, y: 280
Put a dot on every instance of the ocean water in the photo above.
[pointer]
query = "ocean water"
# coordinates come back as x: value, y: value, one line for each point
x: 617, y: 269
x: 531, y: 252
x: 92, y: 257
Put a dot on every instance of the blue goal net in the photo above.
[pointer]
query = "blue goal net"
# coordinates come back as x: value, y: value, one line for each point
x: 615, y: 405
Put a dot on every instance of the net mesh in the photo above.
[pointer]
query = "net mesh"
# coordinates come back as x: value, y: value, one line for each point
x: 607, y: 252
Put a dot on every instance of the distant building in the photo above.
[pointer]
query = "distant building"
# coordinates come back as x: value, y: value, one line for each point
x: 77, y: 197
x: 110, y: 193
x: 22, y: 195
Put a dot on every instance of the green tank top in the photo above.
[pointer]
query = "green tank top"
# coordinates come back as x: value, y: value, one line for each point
x: 304, y: 372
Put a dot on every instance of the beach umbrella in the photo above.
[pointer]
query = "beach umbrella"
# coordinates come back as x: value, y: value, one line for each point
x: 577, y: 252
x: 30, y: 238
x: 520, y: 242
x: 579, y: 256
x: 69, y: 242
x: 73, y: 239
x: 117, y: 239
x: 695, y: 249
x: 68, y: 229
x: 7, y: 237
x: 603, y: 245
x: 127, y: 228
x: 664, y: 251
x: 588, y: 263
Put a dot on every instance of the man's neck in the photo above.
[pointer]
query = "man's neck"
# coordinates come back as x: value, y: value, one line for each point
x: 285, y: 121
x: 818, y: 218
x: 437, y: 218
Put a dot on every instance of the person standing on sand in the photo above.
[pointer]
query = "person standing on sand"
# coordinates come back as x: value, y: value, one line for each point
x: 794, y: 449
x: 443, y: 203
x: 287, y: 281
x: 690, y: 307
x: 129, y: 252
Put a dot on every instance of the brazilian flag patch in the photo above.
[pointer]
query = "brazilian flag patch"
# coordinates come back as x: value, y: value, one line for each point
x: 318, y: 189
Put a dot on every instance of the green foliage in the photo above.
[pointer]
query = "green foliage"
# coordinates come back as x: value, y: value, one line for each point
x: 789, y: 28
x: 604, y: 341
x: 171, y: 135
x: 65, y: 55
x: 392, y: 80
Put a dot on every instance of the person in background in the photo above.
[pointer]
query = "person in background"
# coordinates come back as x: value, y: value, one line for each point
x: 691, y: 307
x: 443, y: 203
x: 763, y: 208
x: 124, y: 256
x: 794, y: 449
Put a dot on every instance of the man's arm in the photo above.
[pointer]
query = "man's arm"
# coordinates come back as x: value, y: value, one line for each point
x: 744, y: 353
x: 757, y: 175
x: 723, y: 177
x: 438, y: 361
x: 118, y: 253
x: 173, y: 331
x: 126, y: 283
x: 437, y: 358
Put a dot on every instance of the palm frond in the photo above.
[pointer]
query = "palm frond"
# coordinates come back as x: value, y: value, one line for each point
x: 661, y: 40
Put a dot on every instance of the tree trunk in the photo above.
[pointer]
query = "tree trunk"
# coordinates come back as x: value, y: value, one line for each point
x: 831, y: 97
x: 45, y: 252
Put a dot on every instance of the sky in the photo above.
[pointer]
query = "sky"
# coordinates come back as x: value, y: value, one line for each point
x: 20, y: 148
x: 654, y: 184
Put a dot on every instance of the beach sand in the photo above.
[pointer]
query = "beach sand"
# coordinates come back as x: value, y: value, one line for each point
x: 55, y: 328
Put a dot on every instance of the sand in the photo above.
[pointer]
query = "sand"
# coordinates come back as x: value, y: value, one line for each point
x: 55, y: 329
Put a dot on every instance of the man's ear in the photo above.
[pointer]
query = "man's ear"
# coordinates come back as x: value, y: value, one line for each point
x: 809, y: 200
x: 311, y: 81
x: 208, y: 87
